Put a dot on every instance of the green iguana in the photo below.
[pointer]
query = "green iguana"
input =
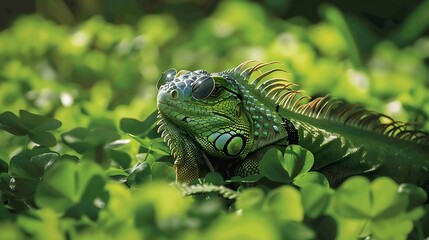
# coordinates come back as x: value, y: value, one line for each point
x: 225, y: 122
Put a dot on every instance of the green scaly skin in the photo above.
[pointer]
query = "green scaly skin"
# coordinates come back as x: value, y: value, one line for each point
x: 224, y: 122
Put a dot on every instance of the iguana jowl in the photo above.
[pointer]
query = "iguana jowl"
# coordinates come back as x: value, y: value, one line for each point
x: 225, y: 122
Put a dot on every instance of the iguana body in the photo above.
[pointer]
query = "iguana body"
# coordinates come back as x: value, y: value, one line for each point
x: 225, y: 122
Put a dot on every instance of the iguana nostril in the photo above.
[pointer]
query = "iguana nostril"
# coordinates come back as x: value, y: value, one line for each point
x: 174, y: 94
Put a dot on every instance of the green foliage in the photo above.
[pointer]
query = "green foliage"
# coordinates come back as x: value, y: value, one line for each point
x: 80, y: 157
x: 32, y: 125
x: 376, y: 208
x: 48, y: 195
x: 294, y: 167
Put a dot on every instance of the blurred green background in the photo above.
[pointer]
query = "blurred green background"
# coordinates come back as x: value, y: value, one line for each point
x: 82, y: 60
x: 93, y: 65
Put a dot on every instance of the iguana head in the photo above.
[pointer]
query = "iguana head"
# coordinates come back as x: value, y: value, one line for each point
x: 208, y: 108
x: 220, y: 111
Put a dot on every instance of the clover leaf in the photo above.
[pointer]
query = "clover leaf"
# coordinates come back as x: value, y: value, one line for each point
x: 35, y: 126
x: 293, y: 167
x: 271, y: 167
x: 378, y: 208
x: 72, y: 188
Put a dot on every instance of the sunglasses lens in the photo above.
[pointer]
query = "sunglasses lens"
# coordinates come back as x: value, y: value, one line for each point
x: 166, y: 77
x: 203, y: 87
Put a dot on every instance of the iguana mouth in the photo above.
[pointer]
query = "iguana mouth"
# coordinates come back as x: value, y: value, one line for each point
x: 222, y: 115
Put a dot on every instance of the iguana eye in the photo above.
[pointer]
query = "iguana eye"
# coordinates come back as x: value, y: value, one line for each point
x: 166, y: 77
x: 203, y: 87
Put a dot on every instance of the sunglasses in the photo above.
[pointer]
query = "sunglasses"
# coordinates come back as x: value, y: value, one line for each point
x: 201, y: 88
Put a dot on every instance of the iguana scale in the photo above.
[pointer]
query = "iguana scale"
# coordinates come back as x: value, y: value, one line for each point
x: 226, y: 121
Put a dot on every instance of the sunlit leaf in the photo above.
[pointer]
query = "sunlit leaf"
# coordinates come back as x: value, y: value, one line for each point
x: 38, y: 123
x: 162, y: 171
x: 140, y: 173
x: 161, y: 200
x: 43, y: 138
x: 297, y: 161
x: 391, y: 229
x: 271, y: 168
x: 57, y: 191
x: 315, y: 199
x: 297, y: 230
x: 76, y: 139
x: 416, y: 195
x: 284, y: 203
x: 145, y: 142
x: 248, y: 226
x: 120, y: 157
x: 117, y: 144
x: 387, y: 202
x: 43, y: 162
x: 20, y: 167
x: 138, y: 128
x: 65, y: 184
x: 43, y: 223
x: 84, y: 139
x: 214, y: 178
x: 248, y: 179
x: 310, y: 178
x: 353, y: 198
x: 12, y: 124
x: 251, y: 198
x: 117, y: 174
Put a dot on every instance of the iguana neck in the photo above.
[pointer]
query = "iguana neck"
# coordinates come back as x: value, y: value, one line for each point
x: 266, y: 123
